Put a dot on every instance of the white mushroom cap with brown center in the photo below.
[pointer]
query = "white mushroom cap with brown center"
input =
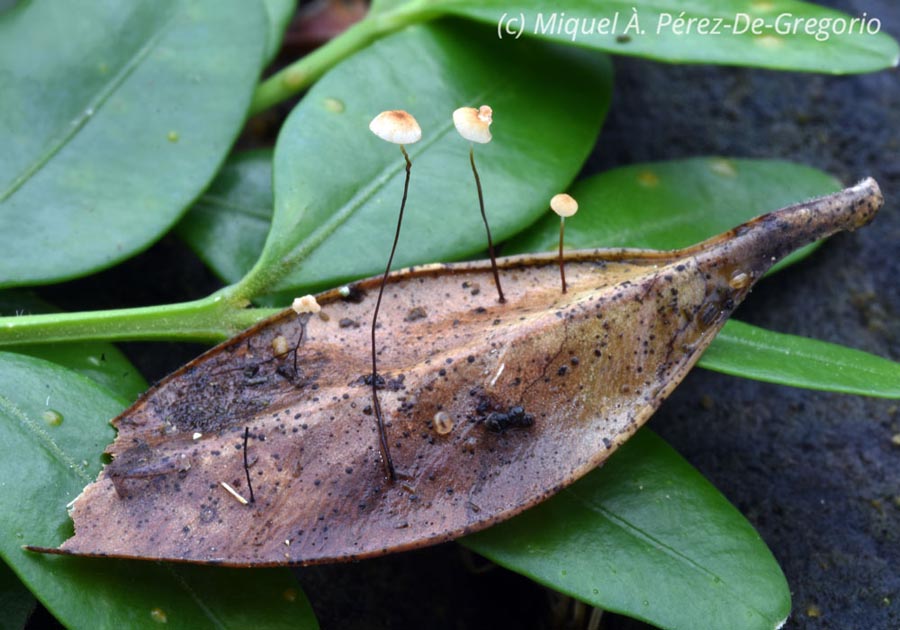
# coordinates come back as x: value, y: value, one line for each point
x: 563, y: 205
x: 474, y: 124
x: 397, y: 126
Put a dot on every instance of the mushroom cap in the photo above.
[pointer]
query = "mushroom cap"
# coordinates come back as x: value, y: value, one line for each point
x: 397, y: 126
x: 305, y: 304
x: 474, y: 124
x: 563, y: 205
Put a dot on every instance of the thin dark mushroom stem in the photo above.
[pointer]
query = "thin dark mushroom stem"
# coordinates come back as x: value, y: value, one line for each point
x: 297, y: 345
x: 486, y: 226
x: 376, y: 405
x: 562, y: 267
x: 247, y: 464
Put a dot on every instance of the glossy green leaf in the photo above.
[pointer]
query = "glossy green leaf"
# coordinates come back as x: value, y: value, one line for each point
x: 750, y: 352
x: 649, y: 537
x: 280, y: 13
x: 842, y: 47
x: 100, y: 362
x: 666, y: 205
x: 49, y: 453
x: 227, y: 227
x: 16, y: 601
x: 114, y: 117
x: 338, y: 187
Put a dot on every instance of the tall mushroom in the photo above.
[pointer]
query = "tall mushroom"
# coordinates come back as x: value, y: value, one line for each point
x: 564, y: 206
x: 398, y: 127
x: 474, y: 126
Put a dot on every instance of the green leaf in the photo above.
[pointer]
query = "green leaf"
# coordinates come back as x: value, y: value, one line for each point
x: 280, y: 13
x: 16, y: 602
x: 666, y: 205
x: 750, y: 352
x: 338, y: 187
x: 227, y: 227
x: 656, y: 37
x: 100, y: 362
x: 649, y: 537
x: 114, y: 116
x: 47, y: 458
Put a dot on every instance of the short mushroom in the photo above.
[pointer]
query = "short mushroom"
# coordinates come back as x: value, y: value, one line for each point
x: 305, y: 304
x: 474, y: 125
x: 564, y: 206
x: 398, y: 127
x: 305, y: 307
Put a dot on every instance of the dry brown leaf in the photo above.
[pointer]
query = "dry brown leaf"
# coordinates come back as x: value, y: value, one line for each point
x: 491, y: 407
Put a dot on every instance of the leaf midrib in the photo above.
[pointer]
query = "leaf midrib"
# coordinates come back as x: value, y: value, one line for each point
x: 183, y: 584
x: 730, y: 337
x: 639, y: 534
x: 93, y: 106
x: 34, y: 429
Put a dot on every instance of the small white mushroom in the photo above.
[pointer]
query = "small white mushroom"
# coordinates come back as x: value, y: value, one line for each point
x: 396, y: 126
x: 474, y: 125
x: 305, y: 304
x: 564, y: 206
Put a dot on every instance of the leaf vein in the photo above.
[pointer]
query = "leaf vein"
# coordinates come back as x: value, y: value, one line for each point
x: 636, y: 532
x: 838, y: 363
x: 183, y: 583
x: 32, y: 427
x: 87, y: 113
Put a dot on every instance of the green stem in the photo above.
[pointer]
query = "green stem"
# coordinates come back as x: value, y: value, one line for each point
x: 296, y: 77
x: 208, y: 320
